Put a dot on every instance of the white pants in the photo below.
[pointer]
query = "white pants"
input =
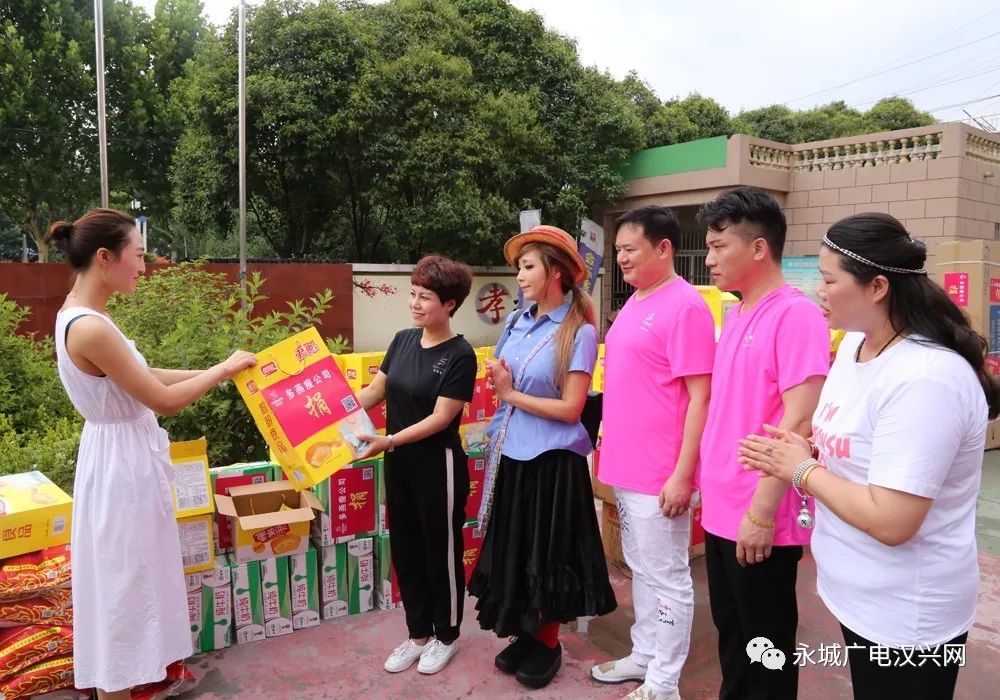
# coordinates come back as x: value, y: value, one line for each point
x: 656, y: 549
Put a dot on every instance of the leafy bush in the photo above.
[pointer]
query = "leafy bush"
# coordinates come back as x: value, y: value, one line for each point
x: 38, y: 427
x: 184, y: 317
x: 30, y: 392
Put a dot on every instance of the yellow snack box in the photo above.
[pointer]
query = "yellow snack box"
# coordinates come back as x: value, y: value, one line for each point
x: 197, y: 543
x: 304, y: 408
x: 34, y: 514
x: 192, y: 487
x: 360, y: 368
x: 268, y: 520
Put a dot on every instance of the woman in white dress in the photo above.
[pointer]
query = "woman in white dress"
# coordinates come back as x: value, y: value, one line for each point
x: 130, y: 607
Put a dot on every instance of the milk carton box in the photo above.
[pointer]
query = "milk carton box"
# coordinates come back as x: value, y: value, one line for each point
x: 305, y: 589
x: 210, y: 608
x: 331, y: 604
x: 276, y: 593
x: 248, y: 602
x: 356, y: 574
x: 387, y: 594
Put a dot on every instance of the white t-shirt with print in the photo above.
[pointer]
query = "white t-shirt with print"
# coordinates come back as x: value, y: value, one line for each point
x: 913, y: 420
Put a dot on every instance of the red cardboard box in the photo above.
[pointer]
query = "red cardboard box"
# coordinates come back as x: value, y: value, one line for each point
x: 349, y: 505
x: 477, y: 474
x: 472, y: 536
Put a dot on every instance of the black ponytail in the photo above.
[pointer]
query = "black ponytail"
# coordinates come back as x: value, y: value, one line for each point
x: 916, y: 304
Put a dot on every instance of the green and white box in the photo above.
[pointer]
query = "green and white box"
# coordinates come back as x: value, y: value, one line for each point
x: 276, y: 590
x: 383, y: 507
x: 331, y: 605
x: 248, y: 603
x: 305, y: 589
x: 387, y: 595
x: 356, y: 574
x: 210, y: 609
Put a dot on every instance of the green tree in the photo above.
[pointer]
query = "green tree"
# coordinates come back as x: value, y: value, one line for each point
x: 707, y: 116
x: 48, y: 149
x: 47, y: 153
x: 895, y: 113
x: 381, y: 132
x: 144, y: 57
x: 777, y: 122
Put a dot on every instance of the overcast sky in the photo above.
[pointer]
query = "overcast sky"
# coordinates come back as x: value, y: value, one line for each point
x: 748, y: 54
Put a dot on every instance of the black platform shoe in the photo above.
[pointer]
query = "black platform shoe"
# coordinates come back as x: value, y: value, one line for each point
x: 511, y: 658
x: 540, y: 666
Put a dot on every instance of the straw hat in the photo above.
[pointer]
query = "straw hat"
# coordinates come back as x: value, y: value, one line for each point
x: 555, y: 237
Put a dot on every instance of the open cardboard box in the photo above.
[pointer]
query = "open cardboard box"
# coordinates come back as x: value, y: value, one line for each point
x: 268, y: 520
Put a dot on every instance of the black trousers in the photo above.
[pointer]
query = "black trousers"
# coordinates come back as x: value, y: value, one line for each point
x: 750, y: 602
x: 911, y: 674
x: 425, y: 493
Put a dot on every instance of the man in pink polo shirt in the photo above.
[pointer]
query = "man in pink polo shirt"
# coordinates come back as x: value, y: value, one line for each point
x: 770, y: 363
x: 657, y: 374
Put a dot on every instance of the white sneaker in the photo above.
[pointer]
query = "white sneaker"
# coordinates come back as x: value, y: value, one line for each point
x: 620, y: 671
x: 644, y: 692
x: 404, y: 656
x: 436, y: 656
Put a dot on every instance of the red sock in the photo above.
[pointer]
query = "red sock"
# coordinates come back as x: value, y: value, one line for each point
x: 548, y: 634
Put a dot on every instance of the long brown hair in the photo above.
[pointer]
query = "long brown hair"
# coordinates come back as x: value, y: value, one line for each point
x: 581, y: 309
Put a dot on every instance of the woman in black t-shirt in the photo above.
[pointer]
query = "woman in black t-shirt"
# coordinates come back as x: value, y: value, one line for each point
x: 427, y: 376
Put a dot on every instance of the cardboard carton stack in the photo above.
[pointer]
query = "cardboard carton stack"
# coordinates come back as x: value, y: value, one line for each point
x: 248, y: 601
x: 194, y: 507
x: 36, y: 613
x: 210, y: 607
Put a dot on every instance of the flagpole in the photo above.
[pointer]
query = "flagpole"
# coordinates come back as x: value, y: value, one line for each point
x: 102, y: 133
x: 243, y: 146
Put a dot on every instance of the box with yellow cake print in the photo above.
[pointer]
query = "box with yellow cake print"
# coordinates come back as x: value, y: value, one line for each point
x: 304, y: 408
x: 268, y: 520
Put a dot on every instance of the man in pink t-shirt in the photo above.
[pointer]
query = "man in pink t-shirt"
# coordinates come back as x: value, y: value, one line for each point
x: 770, y: 363
x: 657, y: 367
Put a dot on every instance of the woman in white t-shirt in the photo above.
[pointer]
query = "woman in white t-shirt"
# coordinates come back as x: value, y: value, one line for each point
x: 899, y: 434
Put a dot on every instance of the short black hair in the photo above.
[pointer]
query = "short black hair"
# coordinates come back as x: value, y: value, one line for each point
x: 747, y: 204
x: 657, y: 223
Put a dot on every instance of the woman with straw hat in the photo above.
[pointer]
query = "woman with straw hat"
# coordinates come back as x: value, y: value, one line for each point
x: 542, y: 562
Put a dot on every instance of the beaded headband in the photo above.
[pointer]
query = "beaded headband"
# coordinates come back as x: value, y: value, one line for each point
x: 869, y: 263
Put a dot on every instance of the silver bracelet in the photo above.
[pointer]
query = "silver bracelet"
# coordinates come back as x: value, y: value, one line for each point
x: 804, y: 518
x: 800, y: 471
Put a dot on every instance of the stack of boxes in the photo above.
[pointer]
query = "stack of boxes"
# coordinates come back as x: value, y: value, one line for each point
x: 271, y: 565
x: 36, y: 635
x: 209, y: 586
x: 210, y: 607
x: 355, y: 519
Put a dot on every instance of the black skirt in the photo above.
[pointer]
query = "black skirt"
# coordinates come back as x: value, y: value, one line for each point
x: 542, y: 559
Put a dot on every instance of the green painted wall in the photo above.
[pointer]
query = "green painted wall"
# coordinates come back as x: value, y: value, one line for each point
x: 702, y: 154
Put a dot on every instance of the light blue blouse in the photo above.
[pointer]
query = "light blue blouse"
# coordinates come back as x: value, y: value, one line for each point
x: 529, y: 435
